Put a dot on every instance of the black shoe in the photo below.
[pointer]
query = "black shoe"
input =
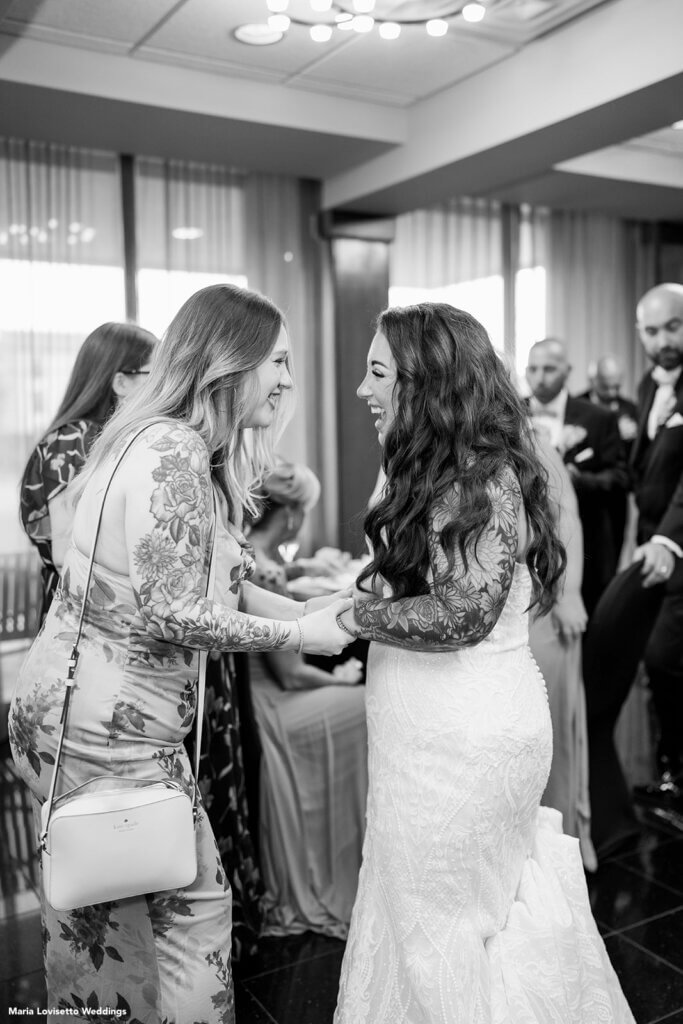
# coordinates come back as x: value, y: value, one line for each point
x: 665, y: 793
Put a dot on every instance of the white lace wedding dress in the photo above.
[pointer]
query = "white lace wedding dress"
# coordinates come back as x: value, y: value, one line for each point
x: 472, y: 905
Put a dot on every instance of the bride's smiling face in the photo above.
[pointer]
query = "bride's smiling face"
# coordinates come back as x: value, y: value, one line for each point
x: 378, y: 387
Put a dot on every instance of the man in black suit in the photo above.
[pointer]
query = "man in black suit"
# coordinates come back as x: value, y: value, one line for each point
x: 587, y: 437
x: 640, y: 616
x: 606, y: 379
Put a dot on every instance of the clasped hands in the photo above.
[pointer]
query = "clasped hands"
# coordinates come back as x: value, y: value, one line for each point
x: 328, y: 625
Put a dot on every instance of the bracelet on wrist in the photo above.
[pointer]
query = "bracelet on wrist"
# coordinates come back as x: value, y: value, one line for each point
x: 300, y: 647
x: 342, y: 625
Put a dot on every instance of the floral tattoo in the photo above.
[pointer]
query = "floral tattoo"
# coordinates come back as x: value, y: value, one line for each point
x: 172, y: 559
x: 463, y: 604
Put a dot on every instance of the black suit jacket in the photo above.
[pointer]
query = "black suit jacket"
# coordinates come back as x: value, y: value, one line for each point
x: 657, y: 468
x: 626, y: 413
x: 625, y: 410
x: 598, y: 456
x: 598, y: 473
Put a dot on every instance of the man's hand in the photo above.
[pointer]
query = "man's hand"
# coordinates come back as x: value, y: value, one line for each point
x: 658, y: 563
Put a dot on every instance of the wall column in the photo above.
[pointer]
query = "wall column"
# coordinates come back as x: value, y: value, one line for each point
x: 360, y: 276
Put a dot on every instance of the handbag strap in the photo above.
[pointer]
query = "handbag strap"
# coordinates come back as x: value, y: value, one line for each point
x: 74, y: 656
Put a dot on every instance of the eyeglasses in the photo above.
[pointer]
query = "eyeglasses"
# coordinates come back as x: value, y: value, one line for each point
x: 135, y: 373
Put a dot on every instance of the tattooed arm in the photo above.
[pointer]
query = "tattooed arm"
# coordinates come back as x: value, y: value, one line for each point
x: 168, y: 522
x: 256, y: 600
x: 463, y: 606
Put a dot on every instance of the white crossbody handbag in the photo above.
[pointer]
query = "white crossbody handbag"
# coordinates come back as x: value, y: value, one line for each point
x: 114, y: 837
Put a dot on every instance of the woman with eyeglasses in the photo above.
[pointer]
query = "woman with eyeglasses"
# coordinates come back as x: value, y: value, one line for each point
x: 110, y: 363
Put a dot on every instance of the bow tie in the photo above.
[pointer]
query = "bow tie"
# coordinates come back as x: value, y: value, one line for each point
x: 661, y: 376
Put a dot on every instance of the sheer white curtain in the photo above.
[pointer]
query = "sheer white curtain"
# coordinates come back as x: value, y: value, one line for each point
x: 61, y: 274
x: 288, y: 262
x: 190, y: 232
x: 596, y: 268
x: 452, y: 253
x: 199, y: 224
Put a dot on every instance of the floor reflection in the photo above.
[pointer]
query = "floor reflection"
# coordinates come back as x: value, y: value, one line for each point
x: 637, y: 899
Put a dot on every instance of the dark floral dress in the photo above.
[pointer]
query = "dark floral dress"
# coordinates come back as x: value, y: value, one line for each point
x: 222, y: 775
x: 52, y: 465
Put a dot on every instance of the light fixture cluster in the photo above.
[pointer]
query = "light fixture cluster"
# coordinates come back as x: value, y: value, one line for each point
x: 23, y: 234
x: 361, y: 18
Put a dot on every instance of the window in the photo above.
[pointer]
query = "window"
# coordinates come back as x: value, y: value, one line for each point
x: 482, y: 298
x: 190, y: 231
x: 61, y: 275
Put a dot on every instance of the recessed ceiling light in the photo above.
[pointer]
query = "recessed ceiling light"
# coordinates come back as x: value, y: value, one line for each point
x: 187, y: 234
x: 363, y: 23
x: 473, y: 12
x: 279, y: 22
x: 320, y: 33
x: 389, y: 29
x: 257, y: 35
x: 437, y: 27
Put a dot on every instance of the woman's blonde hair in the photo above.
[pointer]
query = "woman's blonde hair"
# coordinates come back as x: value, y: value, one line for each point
x: 202, y: 374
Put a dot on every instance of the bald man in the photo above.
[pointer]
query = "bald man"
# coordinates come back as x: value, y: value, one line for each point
x: 587, y: 438
x: 606, y: 379
x: 640, y: 616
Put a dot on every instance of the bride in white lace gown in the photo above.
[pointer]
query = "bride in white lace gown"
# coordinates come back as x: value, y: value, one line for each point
x: 472, y: 906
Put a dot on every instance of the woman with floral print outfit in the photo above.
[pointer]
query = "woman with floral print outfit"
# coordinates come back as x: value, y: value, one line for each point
x: 211, y: 407
x: 108, y: 368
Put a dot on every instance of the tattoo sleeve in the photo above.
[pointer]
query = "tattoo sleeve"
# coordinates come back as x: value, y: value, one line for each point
x: 463, y: 605
x: 170, y: 546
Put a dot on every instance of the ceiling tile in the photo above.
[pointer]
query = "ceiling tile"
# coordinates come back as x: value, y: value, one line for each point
x: 123, y: 21
x: 203, y: 29
x: 402, y: 70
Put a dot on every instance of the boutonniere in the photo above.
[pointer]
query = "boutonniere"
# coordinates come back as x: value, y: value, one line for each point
x: 628, y: 428
x: 572, y: 434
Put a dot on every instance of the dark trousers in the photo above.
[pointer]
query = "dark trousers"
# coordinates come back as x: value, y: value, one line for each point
x: 630, y: 624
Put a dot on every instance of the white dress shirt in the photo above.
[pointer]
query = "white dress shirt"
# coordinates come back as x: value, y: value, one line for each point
x: 664, y: 400
x: 550, y: 415
x: 662, y: 407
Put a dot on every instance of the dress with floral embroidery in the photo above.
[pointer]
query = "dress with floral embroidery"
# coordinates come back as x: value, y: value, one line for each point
x: 164, y: 957
x: 222, y: 771
x: 52, y: 465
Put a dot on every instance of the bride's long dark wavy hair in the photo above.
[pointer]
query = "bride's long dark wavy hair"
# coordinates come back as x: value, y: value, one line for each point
x: 458, y: 418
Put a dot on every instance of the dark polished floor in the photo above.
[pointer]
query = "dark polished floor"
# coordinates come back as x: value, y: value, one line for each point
x: 637, y: 899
